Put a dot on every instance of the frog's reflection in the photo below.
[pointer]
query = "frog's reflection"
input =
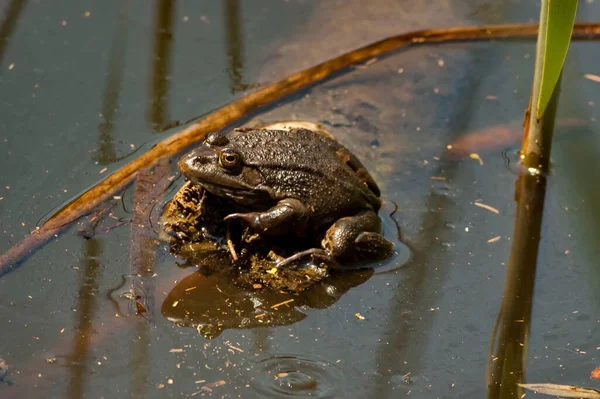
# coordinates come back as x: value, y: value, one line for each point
x: 213, y: 302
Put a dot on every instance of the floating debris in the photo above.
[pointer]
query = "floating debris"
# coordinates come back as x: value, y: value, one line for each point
x: 593, y: 78
x: 476, y: 156
x: 489, y: 208
x: 282, y: 303
x: 567, y: 391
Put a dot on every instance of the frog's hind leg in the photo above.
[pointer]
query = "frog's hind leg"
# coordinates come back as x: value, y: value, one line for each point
x: 357, y: 240
x: 353, y: 241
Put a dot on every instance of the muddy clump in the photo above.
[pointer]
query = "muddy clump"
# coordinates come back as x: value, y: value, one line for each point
x: 193, y: 220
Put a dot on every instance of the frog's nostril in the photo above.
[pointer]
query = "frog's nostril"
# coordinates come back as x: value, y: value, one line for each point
x: 188, y: 162
x: 197, y: 161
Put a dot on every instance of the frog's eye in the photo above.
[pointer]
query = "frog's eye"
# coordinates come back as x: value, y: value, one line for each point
x: 229, y: 159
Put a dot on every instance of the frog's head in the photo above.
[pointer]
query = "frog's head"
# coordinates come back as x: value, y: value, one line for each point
x: 218, y: 165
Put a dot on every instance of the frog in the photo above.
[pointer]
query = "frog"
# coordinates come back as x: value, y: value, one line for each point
x: 295, y: 183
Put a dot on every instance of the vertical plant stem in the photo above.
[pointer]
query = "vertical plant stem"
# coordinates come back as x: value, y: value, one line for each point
x: 508, y: 358
x: 508, y: 351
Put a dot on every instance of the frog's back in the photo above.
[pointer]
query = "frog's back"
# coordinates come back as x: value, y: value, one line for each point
x: 311, y: 167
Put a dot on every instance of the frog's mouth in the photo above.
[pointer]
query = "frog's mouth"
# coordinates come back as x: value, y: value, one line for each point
x: 244, y: 196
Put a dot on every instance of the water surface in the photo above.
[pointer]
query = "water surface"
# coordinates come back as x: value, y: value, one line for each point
x: 83, y: 86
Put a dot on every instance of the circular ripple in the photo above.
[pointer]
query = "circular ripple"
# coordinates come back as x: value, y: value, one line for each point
x: 512, y: 161
x: 296, y: 376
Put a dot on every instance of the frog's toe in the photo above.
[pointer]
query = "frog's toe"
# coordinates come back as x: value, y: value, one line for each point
x: 236, y: 216
x: 252, y: 219
x: 310, y: 257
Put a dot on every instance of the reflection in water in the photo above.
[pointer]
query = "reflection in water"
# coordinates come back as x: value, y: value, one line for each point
x: 110, y: 98
x: 141, y: 362
x: 426, y: 255
x: 215, y: 303
x: 161, y: 63
x: 260, y: 340
x: 235, y: 46
x: 507, y: 363
x: 150, y: 186
x: 79, y: 356
x: 579, y: 162
x: 13, y: 12
x: 413, y: 287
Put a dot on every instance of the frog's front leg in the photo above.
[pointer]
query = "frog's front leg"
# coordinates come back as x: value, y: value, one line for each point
x: 288, y: 215
x: 357, y: 240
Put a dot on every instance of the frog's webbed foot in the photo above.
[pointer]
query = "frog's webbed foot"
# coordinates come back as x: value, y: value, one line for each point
x: 369, y: 242
x: 286, y: 216
x: 316, y: 255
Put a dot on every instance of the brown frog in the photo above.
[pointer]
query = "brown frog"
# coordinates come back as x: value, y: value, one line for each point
x: 295, y: 182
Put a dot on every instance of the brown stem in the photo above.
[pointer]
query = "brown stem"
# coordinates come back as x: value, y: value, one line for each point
x: 267, y: 95
x: 508, y: 361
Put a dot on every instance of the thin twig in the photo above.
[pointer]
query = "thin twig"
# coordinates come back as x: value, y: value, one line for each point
x: 230, y: 244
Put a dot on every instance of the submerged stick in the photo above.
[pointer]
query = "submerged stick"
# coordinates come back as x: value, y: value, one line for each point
x: 262, y: 97
x: 150, y: 187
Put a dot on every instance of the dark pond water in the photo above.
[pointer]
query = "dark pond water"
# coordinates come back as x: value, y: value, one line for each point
x: 87, y: 86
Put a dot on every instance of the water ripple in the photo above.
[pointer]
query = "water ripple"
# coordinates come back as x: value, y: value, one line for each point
x: 296, y: 376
